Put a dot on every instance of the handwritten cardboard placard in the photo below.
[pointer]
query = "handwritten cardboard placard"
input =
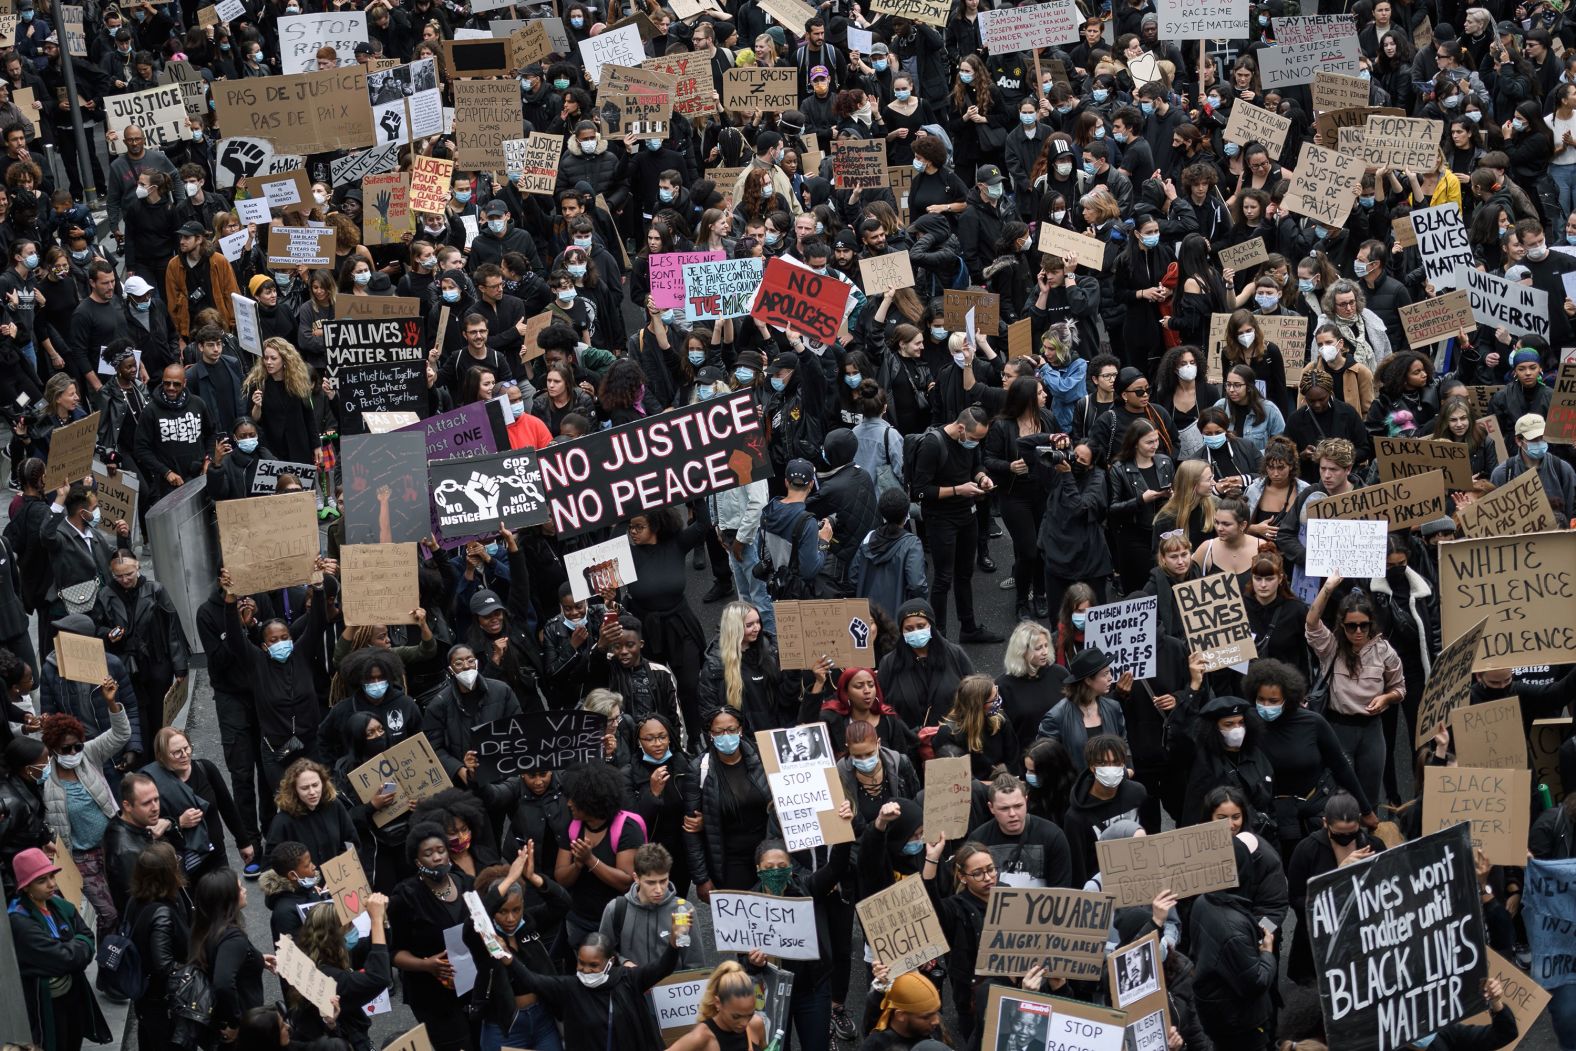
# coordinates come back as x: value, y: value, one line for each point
x: 1497, y: 803
x: 378, y: 583
x: 1519, y: 506
x: 1406, y: 457
x: 296, y: 970
x: 1408, y: 144
x: 1349, y: 548
x: 386, y: 215
x: 1306, y: 44
x: 1449, y: 682
x: 1498, y: 303
x: 1249, y: 123
x: 1525, y: 997
x: 1126, y: 632
x: 486, y: 113
x: 807, y: 792
x: 1243, y: 255
x: 292, y: 246
x: 792, y: 297
x: 70, y: 452
x: 810, y: 629
x: 1322, y: 187
x: 901, y: 926
x: 1338, y: 91
x: 345, y: 879
x: 80, y: 658
x: 1063, y: 931
x: 1066, y: 244
x: 411, y: 768
x: 986, y: 307
x: 1490, y: 735
x: 1402, y: 503
x: 931, y: 12
x: 859, y: 163
x: 288, y: 111
x: 948, y: 797
x: 1187, y: 861
x: 1442, y: 242
x: 269, y: 542
x: 1431, y: 320
x: 785, y: 927
x: 1561, y: 419
x: 887, y: 272
x: 351, y: 308
x: 1215, y: 621
x: 430, y: 181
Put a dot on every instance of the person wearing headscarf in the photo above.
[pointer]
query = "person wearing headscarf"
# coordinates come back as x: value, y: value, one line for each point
x: 909, y: 1017
x: 919, y: 677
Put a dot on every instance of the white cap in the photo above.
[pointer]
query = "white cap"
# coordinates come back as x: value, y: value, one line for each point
x: 136, y: 286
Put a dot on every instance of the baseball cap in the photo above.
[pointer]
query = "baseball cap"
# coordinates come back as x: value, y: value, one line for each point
x: 879, y: 49
x: 136, y: 286
x: 485, y: 603
x: 495, y: 209
x: 820, y: 73
x: 802, y: 472
x: 191, y: 228
x: 989, y: 173
x: 1529, y: 427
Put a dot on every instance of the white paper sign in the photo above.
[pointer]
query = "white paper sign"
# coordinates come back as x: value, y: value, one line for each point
x: 230, y: 10
x: 614, y: 550
x: 248, y: 328
x: 1126, y: 633
x: 677, y: 1004
x: 301, y: 35
x: 801, y: 795
x: 460, y: 959
x: 1202, y: 19
x: 1521, y: 309
x: 860, y: 40
x: 252, y: 211
x: 1442, y: 242
x: 1351, y: 549
x: 777, y: 926
x: 617, y: 47
x: 232, y: 245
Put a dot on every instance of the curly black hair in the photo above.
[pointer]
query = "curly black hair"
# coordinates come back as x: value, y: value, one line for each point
x: 419, y: 833
x: 596, y: 789
x: 453, y: 803
x: 353, y: 669
x: 1270, y: 672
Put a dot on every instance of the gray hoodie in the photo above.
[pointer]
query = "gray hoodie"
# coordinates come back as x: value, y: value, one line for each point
x: 640, y: 935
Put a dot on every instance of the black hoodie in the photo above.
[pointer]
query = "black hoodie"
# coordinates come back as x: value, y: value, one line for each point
x: 174, y: 436
x: 1088, y: 815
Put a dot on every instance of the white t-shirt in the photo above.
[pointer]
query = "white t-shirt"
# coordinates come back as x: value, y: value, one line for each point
x: 1560, y: 127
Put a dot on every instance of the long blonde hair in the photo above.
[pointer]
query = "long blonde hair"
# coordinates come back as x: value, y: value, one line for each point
x: 297, y: 378
x: 968, y: 715
x: 730, y: 644
x: 729, y: 981
x: 1184, y: 494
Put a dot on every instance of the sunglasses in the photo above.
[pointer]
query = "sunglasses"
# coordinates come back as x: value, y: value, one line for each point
x: 1355, y: 626
x: 69, y: 749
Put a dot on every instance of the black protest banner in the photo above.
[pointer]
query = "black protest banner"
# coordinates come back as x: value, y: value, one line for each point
x: 666, y: 459
x: 393, y: 387
x: 539, y: 741
x: 473, y: 496
x: 372, y: 341
x: 1399, y: 940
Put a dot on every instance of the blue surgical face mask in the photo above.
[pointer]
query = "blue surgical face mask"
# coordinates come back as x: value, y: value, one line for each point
x: 867, y: 765
x: 1518, y: 125
x: 574, y: 623
x: 1214, y: 441
x: 919, y: 165
x: 1150, y: 240
x: 653, y: 144
x: 583, y: 242
x: 1266, y: 301
x: 996, y: 191
x: 576, y: 269
x: 1475, y: 116
x: 703, y: 393
x: 1119, y: 136
x: 657, y: 760
x: 727, y: 744
x: 1032, y: 778
x: 772, y: 237
x: 566, y: 295
x: 938, y: 333
x: 246, y: 445
x: 1264, y: 20
x: 577, y: 23
x: 561, y: 84
x: 1305, y: 285
x: 451, y: 295
x: 463, y: 196
x: 30, y: 260
x: 1359, y: 268
x: 1269, y: 712
x: 696, y: 357
x: 1147, y: 108
x: 667, y: 195
x: 1088, y: 168
x: 377, y: 689
x: 881, y: 65
x: 743, y: 377
x: 1365, y: 74
x: 1319, y: 234
x: 362, y: 279
x: 1080, y: 619
x: 1099, y: 132
x: 142, y: 306
x: 1538, y: 449
x: 280, y: 651
x: 495, y: 226
x: 1027, y: 119
x: 1064, y: 110
x: 913, y: 847
x: 968, y: 443
x: 779, y: 384
x: 1366, y: 202
x: 965, y: 76
x: 1100, y: 94
x: 1231, y: 149
x: 27, y: 16
x: 853, y: 380
x: 917, y: 639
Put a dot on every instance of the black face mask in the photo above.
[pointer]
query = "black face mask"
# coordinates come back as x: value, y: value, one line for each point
x: 1343, y: 839
x: 1395, y: 574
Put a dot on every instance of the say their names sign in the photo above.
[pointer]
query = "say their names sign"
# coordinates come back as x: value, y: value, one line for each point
x: 1249, y: 123
x: 1306, y: 44
x: 1523, y: 585
x: 1407, y: 457
x: 1188, y: 861
x: 792, y: 297
x: 1495, y: 802
x: 1322, y: 187
x: 520, y: 744
x: 1063, y: 931
x: 1215, y: 621
x: 1496, y: 302
x: 1442, y: 242
x: 1030, y: 27
x: 1126, y: 632
x: 1402, y: 503
x: 662, y: 460
x: 1409, y: 919
x: 901, y: 926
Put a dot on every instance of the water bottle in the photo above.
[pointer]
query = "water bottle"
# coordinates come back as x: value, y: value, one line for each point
x: 776, y: 1043
x: 683, y: 914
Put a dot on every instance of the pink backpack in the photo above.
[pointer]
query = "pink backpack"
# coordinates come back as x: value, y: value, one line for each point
x: 616, y: 830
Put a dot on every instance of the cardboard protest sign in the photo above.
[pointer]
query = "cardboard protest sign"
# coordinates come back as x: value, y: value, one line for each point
x: 292, y: 246
x: 608, y: 475
x: 300, y: 36
x: 1407, y: 457
x: 1257, y: 124
x: 1409, y: 144
x: 948, y: 797
x: 1338, y: 91
x: 476, y: 57
x: 675, y: 1001
x: 80, y: 658
x: 430, y: 181
x: 692, y: 83
x: 1330, y: 123
x: 634, y: 112
x: 290, y: 111
x: 474, y: 495
x: 269, y: 542
x: 986, y: 307
x: 1412, y: 914
x: 782, y: 927
x: 1521, y: 584
x: 1182, y: 20
x: 1305, y: 45
x: 297, y: 971
x: 1496, y: 803
x: 1136, y: 980
x: 378, y: 583
x: 1431, y: 320
x: 720, y: 289
x: 1063, y: 931
x: 1188, y: 861
x: 117, y: 499
x: 859, y: 163
x: 1449, y: 682
x: 1243, y: 255
x: 792, y: 297
x: 1490, y: 735
x: 1017, y: 1019
x: 1401, y: 230
x: 267, y: 474
x: 887, y: 272
x: 159, y: 111
x: 1543, y: 744
x: 1066, y: 244
x: 1441, y: 241
x: 1031, y: 27
x: 386, y: 215
x: 1519, y: 506
x: 807, y: 792
x: 667, y: 275
x: 522, y: 743
x: 411, y: 768
x: 1352, y: 548
x: 1402, y: 503
x: 1523, y: 996
x: 1214, y: 620
x: 901, y: 927
x: 413, y: 1040
x: 345, y: 879
x: 385, y: 487
x: 70, y: 452
x: 1126, y: 632
x: 528, y: 45
x: 769, y: 89
x: 348, y: 308
x: 485, y: 113
x: 68, y: 881
x: 1550, y: 911
x: 810, y: 629
x: 1496, y: 302
x: 1322, y: 188
x: 538, y: 156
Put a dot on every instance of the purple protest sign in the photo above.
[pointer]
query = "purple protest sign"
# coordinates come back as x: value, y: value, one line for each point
x: 470, y: 430
x: 667, y: 275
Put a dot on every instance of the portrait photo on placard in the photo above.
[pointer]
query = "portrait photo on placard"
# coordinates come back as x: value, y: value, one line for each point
x: 1137, y: 973
x: 1022, y: 1025
x: 802, y: 746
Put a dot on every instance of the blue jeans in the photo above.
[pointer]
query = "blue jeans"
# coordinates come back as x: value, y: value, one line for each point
x: 1562, y: 1009
x: 533, y: 1028
x: 1564, y: 176
x: 752, y: 589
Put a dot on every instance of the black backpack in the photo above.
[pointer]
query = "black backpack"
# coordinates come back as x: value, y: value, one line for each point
x: 911, y: 444
x: 120, y: 963
x: 785, y: 581
x: 190, y: 1003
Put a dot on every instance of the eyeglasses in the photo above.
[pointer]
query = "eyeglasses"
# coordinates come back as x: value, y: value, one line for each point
x: 1236, y: 386
x: 653, y: 738
x: 1354, y: 626
x: 1172, y: 534
x: 180, y: 753
x: 989, y: 870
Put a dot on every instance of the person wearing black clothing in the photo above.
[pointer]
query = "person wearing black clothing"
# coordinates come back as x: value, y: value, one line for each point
x: 500, y: 634
x: 658, y: 598
x: 422, y: 907
x: 1102, y: 795
x: 921, y: 674
x: 1340, y: 838
x: 1321, y: 416
x: 465, y: 702
x: 948, y: 477
x: 219, y: 946
x: 1132, y: 403
x: 160, y: 927
x: 291, y: 885
x: 1236, y: 963
x: 1223, y: 734
x: 174, y: 435
x: 1029, y: 851
x: 237, y: 714
x: 330, y: 947
x: 734, y: 797
x: 281, y: 675
x: 521, y: 930
x: 587, y: 1009
x: 1022, y: 498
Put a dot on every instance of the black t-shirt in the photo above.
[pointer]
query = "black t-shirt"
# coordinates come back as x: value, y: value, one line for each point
x: 199, y: 286
x: 928, y: 188
x: 589, y: 893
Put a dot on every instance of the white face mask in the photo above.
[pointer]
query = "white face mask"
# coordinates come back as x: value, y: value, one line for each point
x: 467, y: 678
x: 1109, y: 776
x: 1329, y: 351
x: 1187, y: 373
x: 1235, y: 736
x: 592, y: 981
x: 1246, y: 338
x: 70, y: 762
x: 192, y: 188
x: 319, y: 196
